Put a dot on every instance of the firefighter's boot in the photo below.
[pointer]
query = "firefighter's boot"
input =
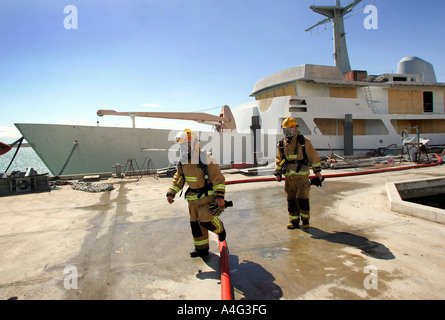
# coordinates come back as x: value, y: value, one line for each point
x: 304, y: 212
x: 200, y: 240
x: 294, y: 222
x: 199, y: 253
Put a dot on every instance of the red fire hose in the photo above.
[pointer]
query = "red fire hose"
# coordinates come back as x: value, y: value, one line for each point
x: 226, y: 286
x: 346, y: 174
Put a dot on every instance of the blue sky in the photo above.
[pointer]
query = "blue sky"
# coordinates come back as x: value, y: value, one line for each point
x: 182, y: 55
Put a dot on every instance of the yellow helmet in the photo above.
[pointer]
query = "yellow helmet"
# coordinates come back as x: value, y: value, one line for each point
x: 289, y: 122
x: 186, y: 136
x: 290, y: 127
x: 188, y: 144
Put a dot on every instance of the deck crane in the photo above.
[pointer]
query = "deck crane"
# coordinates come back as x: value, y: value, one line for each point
x: 225, y: 120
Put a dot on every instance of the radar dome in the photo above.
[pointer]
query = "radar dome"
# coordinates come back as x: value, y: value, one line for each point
x: 415, y: 65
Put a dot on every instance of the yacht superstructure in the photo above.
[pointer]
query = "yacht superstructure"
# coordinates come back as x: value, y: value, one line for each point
x: 382, y: 107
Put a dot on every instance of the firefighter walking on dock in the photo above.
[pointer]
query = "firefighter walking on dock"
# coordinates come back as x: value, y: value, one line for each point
x: 205, y: 195
x: 295, y: 156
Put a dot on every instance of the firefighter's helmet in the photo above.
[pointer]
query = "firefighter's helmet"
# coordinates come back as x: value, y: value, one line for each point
x: 186, y: 136
x: 188, y: 143
x: 290, y: 127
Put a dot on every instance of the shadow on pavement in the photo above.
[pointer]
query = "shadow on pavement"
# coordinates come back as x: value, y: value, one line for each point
x: 370, y: 248
x: 248, y: 279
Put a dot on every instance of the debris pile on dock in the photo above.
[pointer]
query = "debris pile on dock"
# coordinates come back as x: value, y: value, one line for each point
x: 91, y: 187
x: 340, y: 162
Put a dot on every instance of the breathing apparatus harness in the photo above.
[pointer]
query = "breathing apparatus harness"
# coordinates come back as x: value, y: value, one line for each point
x: 207, y: 184
x: 285, y: 162
x: 305, y: 161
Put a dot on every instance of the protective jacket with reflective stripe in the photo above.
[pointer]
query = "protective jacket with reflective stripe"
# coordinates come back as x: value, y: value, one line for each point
x: 293, y: 154
x: 193, y: 174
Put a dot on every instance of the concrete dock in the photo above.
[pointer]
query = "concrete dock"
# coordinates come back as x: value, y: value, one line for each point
x: 129, y: 243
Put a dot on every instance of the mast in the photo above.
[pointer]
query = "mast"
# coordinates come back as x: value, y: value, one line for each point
x: 335, y: 14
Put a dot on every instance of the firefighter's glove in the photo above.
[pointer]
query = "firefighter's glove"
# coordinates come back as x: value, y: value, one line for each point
x: 278, y: 176
x: 317, y: 182
x: 170, y: 197
x: 216, y: 210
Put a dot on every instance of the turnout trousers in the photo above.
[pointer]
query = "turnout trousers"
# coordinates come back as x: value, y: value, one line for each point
x: 297, y: 188
x: 201, y: 222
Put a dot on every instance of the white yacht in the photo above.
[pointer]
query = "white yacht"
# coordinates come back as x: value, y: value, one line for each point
x: 338, y: 109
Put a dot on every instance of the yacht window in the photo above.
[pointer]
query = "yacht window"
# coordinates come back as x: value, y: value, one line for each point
x: 427, y: 101
x: 298, y: 102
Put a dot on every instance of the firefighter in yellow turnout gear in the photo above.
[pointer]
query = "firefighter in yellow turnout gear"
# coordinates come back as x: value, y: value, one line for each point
x: 206, y: 186
x: 295, y: 156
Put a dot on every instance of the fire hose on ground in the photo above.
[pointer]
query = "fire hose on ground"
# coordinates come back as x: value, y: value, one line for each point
x: 226, y: 286
x: 346, y: 174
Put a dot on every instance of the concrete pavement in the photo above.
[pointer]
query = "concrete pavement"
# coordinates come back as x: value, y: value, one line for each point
x: 129, y: 243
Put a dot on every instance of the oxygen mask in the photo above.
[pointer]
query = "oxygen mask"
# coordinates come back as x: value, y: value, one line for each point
x: 290, y: 132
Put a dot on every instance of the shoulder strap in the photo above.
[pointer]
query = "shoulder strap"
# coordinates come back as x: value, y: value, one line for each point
x: 203, y: 165
x: 179, y: 166
x: 301, y: 140
x: 280, y: 146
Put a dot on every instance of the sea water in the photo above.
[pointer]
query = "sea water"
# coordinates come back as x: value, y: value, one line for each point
x: 26, y: 158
